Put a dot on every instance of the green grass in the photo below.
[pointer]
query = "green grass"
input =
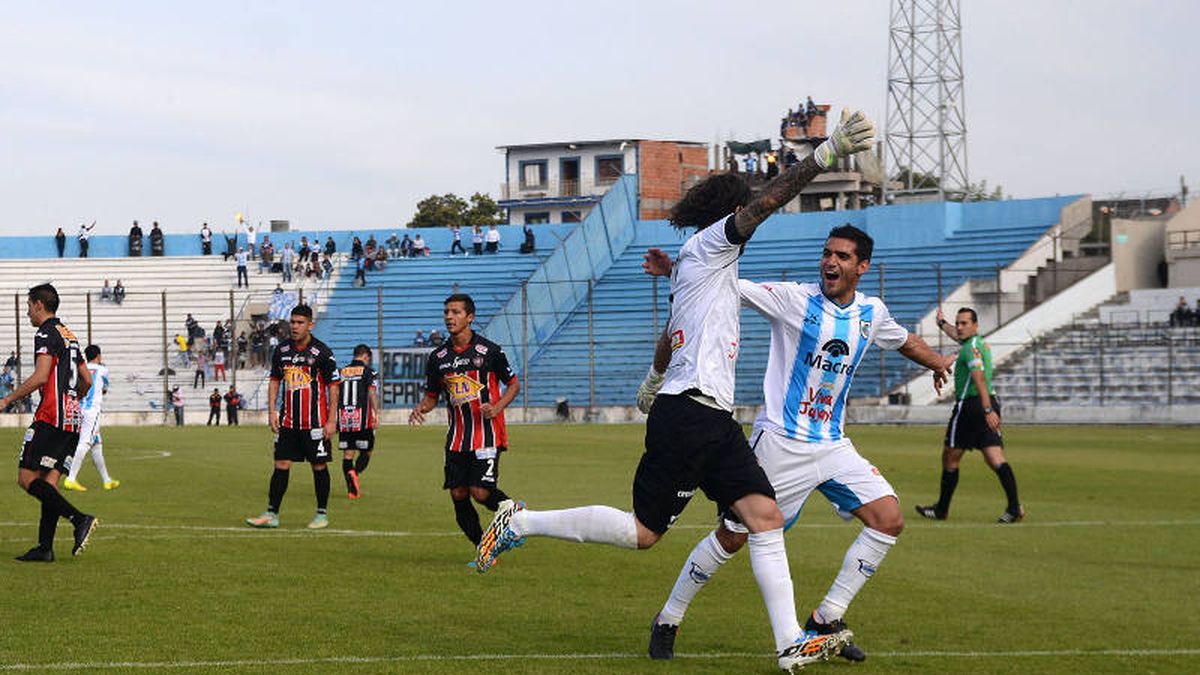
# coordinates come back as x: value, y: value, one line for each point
x: 1106, y: 560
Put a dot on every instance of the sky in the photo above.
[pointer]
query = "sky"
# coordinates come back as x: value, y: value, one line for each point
x: 345, y: 115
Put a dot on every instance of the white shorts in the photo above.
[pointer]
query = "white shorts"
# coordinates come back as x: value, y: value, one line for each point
x: 796, y: 468
x: 89, y: 428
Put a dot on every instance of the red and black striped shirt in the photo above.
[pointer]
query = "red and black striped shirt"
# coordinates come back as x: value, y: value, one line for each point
x: 59, y: 406
x: 305, y: 376
x: 354, y: 411
x: 470, y: 377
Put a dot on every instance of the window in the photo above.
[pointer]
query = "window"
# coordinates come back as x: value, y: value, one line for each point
x: 572, y: 216
x: 533, y: 174
x: 538, y: 218
x: 609, y: 168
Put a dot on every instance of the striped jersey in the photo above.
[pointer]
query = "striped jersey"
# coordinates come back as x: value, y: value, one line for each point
x: 305, y: 377
x: 974, y: 355
x: 95, y: 395
x: 816, y: 347
x: 704, y: 324
x: 470, y: 377
x: 355, y: 412
x: 59, y: 406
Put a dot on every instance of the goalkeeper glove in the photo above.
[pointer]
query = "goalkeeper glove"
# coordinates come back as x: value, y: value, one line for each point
x: 648, y: 389
x: 853, y: 134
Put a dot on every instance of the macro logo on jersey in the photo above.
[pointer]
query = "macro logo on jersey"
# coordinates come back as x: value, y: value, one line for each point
x: 836, y: 348
x: 470, y: 377
x: 830, y: 360
x: 59, y: 406
x: 305, y: 376
x: 355, y: 412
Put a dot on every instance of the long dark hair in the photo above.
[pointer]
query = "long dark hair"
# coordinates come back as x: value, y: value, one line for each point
x: 710, y: 199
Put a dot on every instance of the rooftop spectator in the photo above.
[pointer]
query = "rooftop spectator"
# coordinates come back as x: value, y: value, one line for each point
x: 85, y: 233
x: 419, y: 247
x: 372, y: 245
x: 356, y: 249
x: 106, y: 291
x: 406, y: 247
x: 119, y: 292
x: 456, y: 233
x: 205, y: 240
x: 157, y: 246
x: 135, y: 240
x: 393, y: 245
x: 381, y: 260
x: 492, y: 239
x: 230, y: 246
x: 60, y: 241
x: 528, y: 245
x: 330, y: 247
x: 477, y: 240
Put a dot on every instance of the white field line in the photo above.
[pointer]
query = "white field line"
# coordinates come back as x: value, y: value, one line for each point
x: 414, y: 658
x: 160, y: 454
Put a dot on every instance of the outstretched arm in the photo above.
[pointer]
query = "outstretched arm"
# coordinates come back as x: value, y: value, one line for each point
x: 854, y: 134
x: 917, y: 350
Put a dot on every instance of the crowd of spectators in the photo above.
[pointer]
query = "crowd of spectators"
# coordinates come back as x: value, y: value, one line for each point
x: 1184, y: 315
x: 210, y: 354
x: 800, y: 117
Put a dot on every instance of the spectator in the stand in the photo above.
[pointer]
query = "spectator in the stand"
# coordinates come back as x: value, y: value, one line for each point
x: 312, y: 269
x: 157, y: 247
x: 285, y: 260
x: 11, y: 363
x: 751, y: 163
x: 278, y: 290
x: 251, y: 239
x: 529, y: 244
x: 60, y: 241
x: 393, y: 245
x: 182, y: 344
x: 242, y: 275
x: 200, y: 356
x: 205, y: 240
x: 772, y: 165
x: 135, y: 240
x: 356, y: 249
x: 360, y: 272
x: 106, y: 291
x: 381, y: 260
x: 258, y: 342
x: 214, y: 408
x: 790, y: 159
x: 435, y: 338
x: 177, y: 405
x: 119, y: 292
x: 192, y: 327
x: 477, y: 240
x: 456, y: 234
x: 219, y: 365
x: 233, y: 403
x: 1196, y: 313
x: 419, y: 340
x: 327, y: 264
x: 419, y: 247
x: 493, y: 239
x: 1182, y: 315
x: 304, y: 250
x: 230, y: 246
x: 243, y: 343
x: 330, y: 247
x: 218, y: 337
x: 406, y: 247
x: 266, y: 255
x: 372, y: 245
x: 85, y: 233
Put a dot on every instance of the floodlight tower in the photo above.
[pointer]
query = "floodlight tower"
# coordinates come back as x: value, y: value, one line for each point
x: 926, y: 126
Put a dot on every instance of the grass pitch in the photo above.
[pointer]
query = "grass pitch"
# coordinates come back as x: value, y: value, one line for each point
x: 1103, y: 576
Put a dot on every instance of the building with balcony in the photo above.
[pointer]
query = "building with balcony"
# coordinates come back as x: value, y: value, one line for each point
x: 561, y: 182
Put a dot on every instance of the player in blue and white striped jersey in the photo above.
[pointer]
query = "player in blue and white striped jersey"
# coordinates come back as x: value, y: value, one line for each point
x: 89, y: 429
x: 819, y: 335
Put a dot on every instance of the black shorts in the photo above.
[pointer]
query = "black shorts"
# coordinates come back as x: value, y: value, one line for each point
x: 299, y: 445
x: 690, y: 445
x: 466, y: 469
x: 47, y: 448
x: 968, y: 429
x: 357, y: 440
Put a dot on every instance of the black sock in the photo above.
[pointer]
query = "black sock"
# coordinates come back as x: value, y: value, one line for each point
x: 49, y: 496
x: 347, y: 467
x: 47, y: 527
x: 493, y: 501
x: 279, y: 483
x: 1009, y: 482
x: 468, y: 520
x: 360, y: 464
x: 949, y: 482
x: 321, y: 483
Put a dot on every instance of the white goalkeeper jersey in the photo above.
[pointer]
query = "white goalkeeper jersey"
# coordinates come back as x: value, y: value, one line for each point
x: 95, y: 396
x: 816, y: 347
x: 704, y: 320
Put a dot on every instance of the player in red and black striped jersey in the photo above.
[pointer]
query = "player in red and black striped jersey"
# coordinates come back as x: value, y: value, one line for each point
x: 62, y: 377
x: 304, y: 372
x: 358, y: 415
x: 469, y: 370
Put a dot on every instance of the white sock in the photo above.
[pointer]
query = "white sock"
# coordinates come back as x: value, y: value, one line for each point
x: 98, y: 460
x: 768, y: 559
x: 705, y: 560
x: 861, y: 561
x: 81, y: 451
x: 587, y: 524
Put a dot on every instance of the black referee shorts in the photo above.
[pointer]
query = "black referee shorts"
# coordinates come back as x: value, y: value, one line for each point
x: 690, y: 445
x: 968, y: 429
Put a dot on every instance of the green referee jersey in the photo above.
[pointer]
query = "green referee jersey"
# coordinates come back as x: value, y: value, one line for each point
x: 974, y: 355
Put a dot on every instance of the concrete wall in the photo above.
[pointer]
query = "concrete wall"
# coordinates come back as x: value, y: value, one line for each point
x: 1137, y: 250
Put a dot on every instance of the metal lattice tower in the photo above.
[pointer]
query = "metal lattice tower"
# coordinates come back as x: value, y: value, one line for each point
x: 926, y: 124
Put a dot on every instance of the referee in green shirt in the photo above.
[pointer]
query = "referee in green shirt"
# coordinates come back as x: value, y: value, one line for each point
x: 975, y: 422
